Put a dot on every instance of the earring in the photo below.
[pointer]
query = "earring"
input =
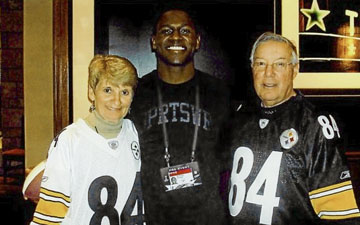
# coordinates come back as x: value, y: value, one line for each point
x: 92, y: 107
x: 129, y: 111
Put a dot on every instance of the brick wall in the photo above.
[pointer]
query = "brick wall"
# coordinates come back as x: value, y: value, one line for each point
x: 11, y: 53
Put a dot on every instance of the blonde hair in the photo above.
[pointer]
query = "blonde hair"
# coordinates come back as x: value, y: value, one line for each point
x: 115, y: 69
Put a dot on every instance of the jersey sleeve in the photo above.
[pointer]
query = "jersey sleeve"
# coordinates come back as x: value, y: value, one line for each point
x: 55, y: 186
x: 330, y: 189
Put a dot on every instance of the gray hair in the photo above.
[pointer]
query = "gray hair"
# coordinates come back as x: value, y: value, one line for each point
x: 268, y: 36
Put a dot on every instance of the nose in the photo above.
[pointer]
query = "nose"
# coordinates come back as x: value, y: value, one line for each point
x: 117, y: 99
x: 269, y: 70
x: 176, y: 35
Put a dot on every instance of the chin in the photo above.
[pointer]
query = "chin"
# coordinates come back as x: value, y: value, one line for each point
x: 268, y: 98
x: 176, y: 61
x: 269, y: 101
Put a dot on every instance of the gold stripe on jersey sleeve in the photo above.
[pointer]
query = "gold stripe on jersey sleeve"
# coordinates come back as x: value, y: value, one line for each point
x: 335, y: 201
x: 44, y: 222
x: 331, y: 187
x: 51, y: 209
x: 54, y: 194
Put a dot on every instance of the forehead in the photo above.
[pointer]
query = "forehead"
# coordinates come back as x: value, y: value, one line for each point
x: 273, y: 50
x: 103, y: 82
x: 174, y: 17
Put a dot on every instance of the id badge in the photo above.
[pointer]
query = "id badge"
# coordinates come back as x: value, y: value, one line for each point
x: 181, y: 176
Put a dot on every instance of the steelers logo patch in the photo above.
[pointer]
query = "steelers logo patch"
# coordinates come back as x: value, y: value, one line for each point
x: 289, y: 138
x: 135, y: 149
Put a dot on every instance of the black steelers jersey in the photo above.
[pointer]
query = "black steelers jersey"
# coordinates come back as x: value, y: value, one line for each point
x: 286, y: 168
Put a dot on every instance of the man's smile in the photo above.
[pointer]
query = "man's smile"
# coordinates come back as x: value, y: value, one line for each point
x: 176, y: 48
x: 269, y: 85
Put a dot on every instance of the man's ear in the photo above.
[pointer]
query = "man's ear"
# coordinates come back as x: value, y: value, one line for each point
x: 153, y: 43
x: 295, y: 70
x: 198, y: 42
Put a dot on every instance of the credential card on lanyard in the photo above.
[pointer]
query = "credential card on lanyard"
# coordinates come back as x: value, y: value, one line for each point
x: 181, y: 176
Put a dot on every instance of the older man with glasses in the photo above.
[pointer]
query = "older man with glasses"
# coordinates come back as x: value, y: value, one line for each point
x: 286, y: 166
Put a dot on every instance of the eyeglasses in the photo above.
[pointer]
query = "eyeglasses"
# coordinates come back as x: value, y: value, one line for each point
x: 278, y: 66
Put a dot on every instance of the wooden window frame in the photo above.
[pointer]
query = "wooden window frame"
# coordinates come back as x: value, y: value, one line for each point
x: 62, y: 16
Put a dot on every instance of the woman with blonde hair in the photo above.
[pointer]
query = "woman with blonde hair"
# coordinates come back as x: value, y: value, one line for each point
x: 92, y: 170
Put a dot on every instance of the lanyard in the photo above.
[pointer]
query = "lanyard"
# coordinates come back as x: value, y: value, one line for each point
x: 164, y: 129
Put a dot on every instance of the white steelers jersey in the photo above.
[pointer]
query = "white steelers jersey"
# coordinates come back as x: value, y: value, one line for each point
x: 287, y: 168
x: 90, y: 180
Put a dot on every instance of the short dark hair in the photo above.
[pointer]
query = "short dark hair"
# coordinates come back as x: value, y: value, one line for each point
x: 161, y: 8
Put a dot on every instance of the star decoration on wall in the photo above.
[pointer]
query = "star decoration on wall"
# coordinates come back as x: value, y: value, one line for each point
x: 315, y: 16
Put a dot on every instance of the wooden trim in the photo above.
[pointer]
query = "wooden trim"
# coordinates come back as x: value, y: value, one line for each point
x: 331, y: 92
x: 353, y: 156
x: 61, y: 64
